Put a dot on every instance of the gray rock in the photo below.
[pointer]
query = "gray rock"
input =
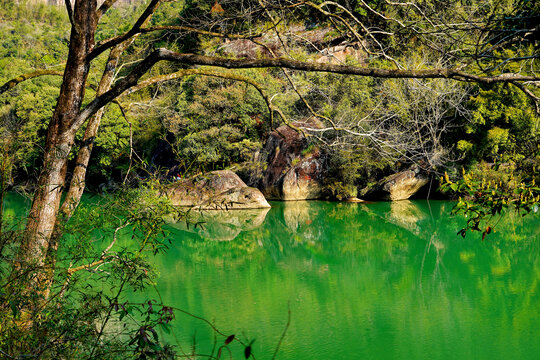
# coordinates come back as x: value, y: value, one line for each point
x: 399, y: 186
x: 216, y: 190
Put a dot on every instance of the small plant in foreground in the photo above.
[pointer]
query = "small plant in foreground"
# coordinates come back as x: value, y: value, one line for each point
x: 481, y: 198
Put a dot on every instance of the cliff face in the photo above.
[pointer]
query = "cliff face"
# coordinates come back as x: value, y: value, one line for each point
x: 292, y: 174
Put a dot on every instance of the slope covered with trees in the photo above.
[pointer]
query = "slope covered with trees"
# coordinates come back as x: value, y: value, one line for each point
x: 406, y: 120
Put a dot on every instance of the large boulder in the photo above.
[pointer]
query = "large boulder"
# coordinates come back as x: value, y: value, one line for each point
x: 216, y: 190
x: 293, y: 172
x: 303, y: 180
x: 399, y: 186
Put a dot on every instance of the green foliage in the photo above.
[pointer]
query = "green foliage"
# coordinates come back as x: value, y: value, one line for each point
x: 217, y: 123
x: 111, y: 147
x: 503, y: 122
x: 25, y: 10
x: 486, y: 193
x: 103, y: 259
x: 344, y: 170
x: 31, y: 37
x: 23, y: 122
x: 107, y: 243
x: 220, y: 123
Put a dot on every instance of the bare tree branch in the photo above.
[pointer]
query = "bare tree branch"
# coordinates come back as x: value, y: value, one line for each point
x: 535, y: 99
x: 19, y: 79
x: 106, y: 44
x: 107, y: 4
x: 192, y: 59
x: 440, y: 73
x: 148, y: 12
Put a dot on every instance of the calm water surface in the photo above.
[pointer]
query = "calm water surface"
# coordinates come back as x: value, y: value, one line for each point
x: 376, y: 281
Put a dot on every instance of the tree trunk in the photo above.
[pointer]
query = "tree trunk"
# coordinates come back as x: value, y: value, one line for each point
x: 77, y: 183
x: 59, y: 141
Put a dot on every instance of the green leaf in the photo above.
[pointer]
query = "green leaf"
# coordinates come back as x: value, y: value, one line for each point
x: 154, y: 333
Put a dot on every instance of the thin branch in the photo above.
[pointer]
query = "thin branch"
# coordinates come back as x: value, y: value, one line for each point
x: 106, y: 44
x: 147, y: 14
x: 69, y: 9
x: 104, y: 8
x: 131, y: 151
x: 284, y: 331
x: 71, y: 271
x: 15, y: 81
x: 535, y: 99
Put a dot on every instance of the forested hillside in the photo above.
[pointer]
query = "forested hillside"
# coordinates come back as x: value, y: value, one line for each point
x: 216, y: 123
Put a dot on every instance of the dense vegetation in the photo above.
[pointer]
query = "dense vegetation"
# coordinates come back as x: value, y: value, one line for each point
x: 373, y: 126
x: 220, y: 123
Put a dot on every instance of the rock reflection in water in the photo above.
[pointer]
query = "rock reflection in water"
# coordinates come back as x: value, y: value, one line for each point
x: 406, y: 215
x: 222, y: 225
x: 297, y: 213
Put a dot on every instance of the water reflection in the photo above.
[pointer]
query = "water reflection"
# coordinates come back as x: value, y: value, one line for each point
x: 296, y: 214
x: 364, y: 281
x: 407, y: 215
x: 221, y: 225
x: 385, y: 280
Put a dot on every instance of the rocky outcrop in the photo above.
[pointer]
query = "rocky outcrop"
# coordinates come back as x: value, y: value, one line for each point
x: 269, y: 45
x: 399, y: 186
x: 340, y: 54
x: 216, y: 190
x: 302, y: 181
x: 292, y: 173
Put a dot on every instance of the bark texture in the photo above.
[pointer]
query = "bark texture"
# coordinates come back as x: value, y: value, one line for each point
x: 60, y: 137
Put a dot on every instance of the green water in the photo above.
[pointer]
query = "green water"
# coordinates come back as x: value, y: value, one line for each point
x: 378, y: 281
x: 375, y: 281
